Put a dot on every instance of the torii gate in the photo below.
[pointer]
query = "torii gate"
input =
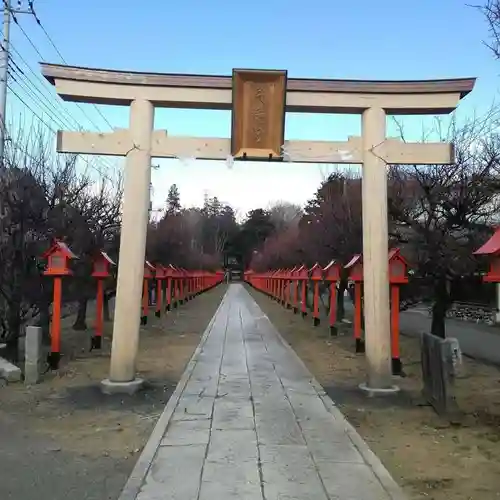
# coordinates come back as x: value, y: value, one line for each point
x: 259, y: 101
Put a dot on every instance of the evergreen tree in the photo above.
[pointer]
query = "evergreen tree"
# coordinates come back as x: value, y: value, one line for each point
x: 173, y: 200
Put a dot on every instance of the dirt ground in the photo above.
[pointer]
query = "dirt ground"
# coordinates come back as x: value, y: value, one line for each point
x: 430, y: 458
x: 64, y: 439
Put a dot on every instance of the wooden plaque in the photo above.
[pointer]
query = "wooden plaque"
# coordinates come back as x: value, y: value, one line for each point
x: 258, y: 114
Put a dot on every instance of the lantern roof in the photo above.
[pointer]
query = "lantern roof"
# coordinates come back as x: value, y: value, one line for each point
x: 60, y: 246
x: 492, y: 246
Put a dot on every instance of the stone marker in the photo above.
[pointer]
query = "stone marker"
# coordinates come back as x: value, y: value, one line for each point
x: 440, y: 359
x: 33, y: 355
x: 9, y: 372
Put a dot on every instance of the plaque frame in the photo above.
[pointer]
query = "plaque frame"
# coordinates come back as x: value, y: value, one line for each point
x: 246, y: 82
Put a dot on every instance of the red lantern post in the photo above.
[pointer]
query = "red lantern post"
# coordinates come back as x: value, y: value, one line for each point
x: 58, y: 258
x: 316, y: 276
x: 302, y: 277
x: 332, y: 275
x: 169, y: 274
x: 355, y: 269
x: 160, y: 275
x: 101, y: 270
x: 295, y: 290
x: 148, y: 274
x: 175, y: 287
x: 398, y: 275
x: 288, y: 284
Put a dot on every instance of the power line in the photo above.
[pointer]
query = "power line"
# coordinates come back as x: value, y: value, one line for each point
x: 49, y: 38
x: 94, y: 167
x: 29, y: 87
x: 11, y: 66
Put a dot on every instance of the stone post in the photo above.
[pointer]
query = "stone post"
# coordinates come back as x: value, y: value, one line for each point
x: 375, y: 254
x: 135, y: 217
x: 33, y: 355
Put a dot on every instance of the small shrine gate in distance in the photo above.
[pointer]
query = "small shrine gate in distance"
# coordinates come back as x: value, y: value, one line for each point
x: 258, y: 101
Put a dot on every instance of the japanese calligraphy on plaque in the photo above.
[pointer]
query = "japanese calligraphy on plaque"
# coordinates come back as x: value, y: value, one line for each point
x: 258, y: 114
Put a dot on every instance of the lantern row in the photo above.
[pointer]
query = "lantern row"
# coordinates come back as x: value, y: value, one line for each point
x: 174, y: 286
x: 289, y: 287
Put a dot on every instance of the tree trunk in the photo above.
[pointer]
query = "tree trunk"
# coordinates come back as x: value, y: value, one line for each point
x: 81, y: 316
x: 14, y: 330
x: 340, y: 299
x: 439, y: 308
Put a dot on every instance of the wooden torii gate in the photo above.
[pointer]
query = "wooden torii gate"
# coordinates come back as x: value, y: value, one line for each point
x: 259, y: 101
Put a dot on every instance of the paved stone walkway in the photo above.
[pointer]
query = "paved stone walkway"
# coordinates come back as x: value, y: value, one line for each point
x: 248, y: 421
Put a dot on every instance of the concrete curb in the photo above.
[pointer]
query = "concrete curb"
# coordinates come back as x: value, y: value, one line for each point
x: 141, y: 468
x: 392, y: 488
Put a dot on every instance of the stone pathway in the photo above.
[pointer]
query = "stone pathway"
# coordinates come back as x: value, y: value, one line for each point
x: 248, y: 421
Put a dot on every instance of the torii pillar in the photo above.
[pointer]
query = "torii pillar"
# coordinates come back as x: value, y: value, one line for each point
x: 135, y: 215
x: 372, y: 100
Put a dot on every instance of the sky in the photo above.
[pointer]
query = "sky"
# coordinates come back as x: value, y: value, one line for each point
x: 384, y: 40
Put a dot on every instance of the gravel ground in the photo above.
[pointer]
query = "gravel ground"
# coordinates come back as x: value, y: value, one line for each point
x: 63, y: 439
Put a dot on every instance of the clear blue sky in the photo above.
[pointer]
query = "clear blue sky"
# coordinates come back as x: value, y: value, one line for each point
x: 388, y: 39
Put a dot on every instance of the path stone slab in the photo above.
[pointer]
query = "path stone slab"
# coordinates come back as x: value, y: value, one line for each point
x: 175, y: 474
x: 239, y: 480
x: 187, y: 432
x: 248, y: 423
x: 193, y: 407
x: 231, y: 446
x: 351, y: 482
x: 289, y: 472
x: 236, y: 414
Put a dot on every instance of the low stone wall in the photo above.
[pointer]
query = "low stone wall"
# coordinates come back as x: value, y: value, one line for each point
x: 470, y: 312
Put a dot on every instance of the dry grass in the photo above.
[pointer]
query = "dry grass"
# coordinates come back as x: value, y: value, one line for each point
x: 430, y: 458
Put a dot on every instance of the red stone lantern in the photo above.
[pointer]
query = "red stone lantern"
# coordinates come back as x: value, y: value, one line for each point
x: 149, y: 271
x: 58, y: 256
x: 169, y: 275
x: 316, y: 273
x: 355, y: 270
x: 295, y: 290
x: 302, y: 278
x: 101, y: 265
x: 398, y: 275
x: 289, y: 287
x: 332, y: 275
x: 160, y: 275
x: 491, y: 249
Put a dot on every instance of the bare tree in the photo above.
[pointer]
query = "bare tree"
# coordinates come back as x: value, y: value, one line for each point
x: 491, y: 12
x: 441, y: 213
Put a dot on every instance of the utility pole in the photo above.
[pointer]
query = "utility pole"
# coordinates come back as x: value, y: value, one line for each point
x: 4, y: 74
x: 8, y: 12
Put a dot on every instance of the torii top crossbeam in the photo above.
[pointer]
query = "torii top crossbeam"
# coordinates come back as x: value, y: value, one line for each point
x: 102, y: 86
x: 305, y: 95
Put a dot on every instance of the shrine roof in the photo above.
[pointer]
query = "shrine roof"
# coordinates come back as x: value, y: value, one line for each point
x: 492, y: 246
